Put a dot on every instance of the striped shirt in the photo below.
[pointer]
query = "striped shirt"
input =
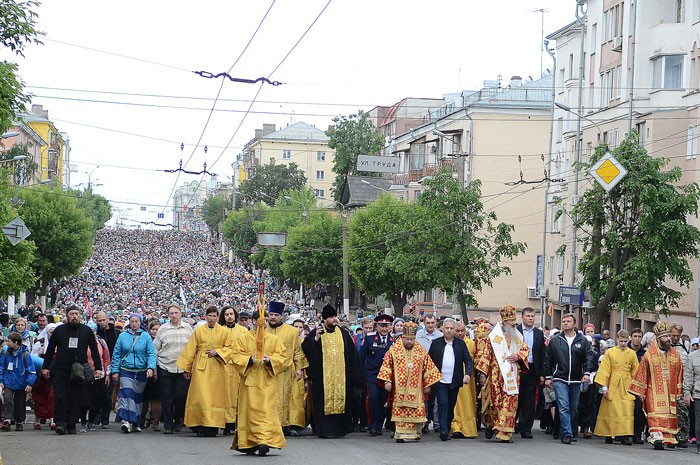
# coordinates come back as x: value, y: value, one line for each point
x: 169, y: 343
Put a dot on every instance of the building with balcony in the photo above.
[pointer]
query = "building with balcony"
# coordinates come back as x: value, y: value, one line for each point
x: 299, y: 143
x: 640, y: 70
x: 500, y: 135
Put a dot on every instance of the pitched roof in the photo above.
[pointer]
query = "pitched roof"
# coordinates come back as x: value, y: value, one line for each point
x: 298, y: 131
x: 358, y: 194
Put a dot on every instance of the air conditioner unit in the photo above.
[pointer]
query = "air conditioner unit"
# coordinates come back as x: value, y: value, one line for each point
x: 617, y: 44
x: 532, y: 293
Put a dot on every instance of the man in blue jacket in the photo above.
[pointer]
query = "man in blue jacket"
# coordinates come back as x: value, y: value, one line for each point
x: 17, y: 375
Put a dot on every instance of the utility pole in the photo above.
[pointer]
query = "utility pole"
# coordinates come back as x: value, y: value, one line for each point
x: 543, y: 295
x: 346, y: 278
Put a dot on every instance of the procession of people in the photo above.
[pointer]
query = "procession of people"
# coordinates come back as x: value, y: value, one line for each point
x: 214, y: 343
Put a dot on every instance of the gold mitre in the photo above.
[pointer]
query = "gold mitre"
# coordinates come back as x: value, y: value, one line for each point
x: 507, y: 313
x: 662, y: 329
x: 410, y: 329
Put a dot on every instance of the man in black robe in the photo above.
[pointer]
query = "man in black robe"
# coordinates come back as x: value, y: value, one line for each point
x: 333, y: 419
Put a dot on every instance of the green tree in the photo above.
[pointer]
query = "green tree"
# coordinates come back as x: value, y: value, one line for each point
x: 272, y: 180
x: 381, y: 254
x: 352, y: 136
x: 61, y: 231
x: 213, y: 211
x: 292, y: 209
x: 16, y: 272
x: 17, y: 30
x: 637, y: 239
x: 464, y: 248
x: 238, y: 230
x: 95, y: 206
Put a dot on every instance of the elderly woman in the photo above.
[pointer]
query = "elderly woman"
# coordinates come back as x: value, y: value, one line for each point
x: 133, y: 363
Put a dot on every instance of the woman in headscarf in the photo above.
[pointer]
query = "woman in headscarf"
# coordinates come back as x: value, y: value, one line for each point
x: 151, y: 395
x: 42, y: 391
x: 133, y: 363
x: 397, y: 329
x: 22, y: 327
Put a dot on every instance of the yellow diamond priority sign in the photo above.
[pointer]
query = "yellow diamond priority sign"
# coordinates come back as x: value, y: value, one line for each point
x: 608, y: 172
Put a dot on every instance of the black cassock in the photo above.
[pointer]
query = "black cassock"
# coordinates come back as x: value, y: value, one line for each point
x: 329, y: 426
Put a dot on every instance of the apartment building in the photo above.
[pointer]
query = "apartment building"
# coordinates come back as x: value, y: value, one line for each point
x: 635, y: 65
x: 299, y: 143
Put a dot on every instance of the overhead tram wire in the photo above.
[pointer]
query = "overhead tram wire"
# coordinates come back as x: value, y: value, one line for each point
x: 218, y: 94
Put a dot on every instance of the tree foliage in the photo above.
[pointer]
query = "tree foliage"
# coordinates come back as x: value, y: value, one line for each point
x: 637, y: 239
x: 272, y: 180
x: 380, y: 254
x: 314, y: 251
x: 95, y: 206
x: 352, y: 136
x: 238, y: 230
x: 61, y: 231
x: 23, y: 171
x: 213, y: 211
x: 16, y: 272
x: 464, y: 246
x: 17, y: 30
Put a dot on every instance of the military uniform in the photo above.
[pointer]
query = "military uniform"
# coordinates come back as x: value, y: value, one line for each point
x: 372, y: 352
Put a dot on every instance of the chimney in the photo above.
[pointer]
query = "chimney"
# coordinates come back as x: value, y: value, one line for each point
x: 258, y: 133
x: 39, y: 111
x: 268, y: 129
x: 516, y: 81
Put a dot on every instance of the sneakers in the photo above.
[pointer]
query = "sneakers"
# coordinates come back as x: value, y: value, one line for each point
x: 105, y: 426
x: 6, y: 425
x: 91, y: 427
x: 83, y: 429
x: 136, y: 429
x: 126, y: 427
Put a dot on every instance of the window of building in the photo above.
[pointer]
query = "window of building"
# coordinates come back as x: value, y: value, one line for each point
x: 560, y: 129
x: 560, y: 268
x: 320, y: 156
x: 668, y: 72
x: 555, y: 219
x: 692, y: 148
x: 642, y: 130
x: 606, y: 26
x: 561, y: 80
x: 320, y: 193
x: 552, y: 264
x: 594, y: 37
x: 286, y: 154
x: 320, y: 175
x: 696, y: 11
x: 571, y: 66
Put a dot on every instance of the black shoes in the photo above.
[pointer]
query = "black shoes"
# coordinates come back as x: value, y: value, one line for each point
x: 444, y: 436
x: 488, y: 432
x: 263, y: 450
x: 658, y: 445
x: 526, y: 435
x: 608, y: 440
x: 566, y: 440
x: 374, y: 432
x: 458, y: 435
x: 683, y: 444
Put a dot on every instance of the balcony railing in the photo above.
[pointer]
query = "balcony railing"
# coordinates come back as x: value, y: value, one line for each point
x: 429, y: 169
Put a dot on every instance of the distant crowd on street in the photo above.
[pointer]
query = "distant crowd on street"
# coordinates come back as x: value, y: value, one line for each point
x: 160, y: 332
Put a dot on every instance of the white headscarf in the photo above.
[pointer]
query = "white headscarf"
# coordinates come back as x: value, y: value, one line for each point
x: 43, y: 336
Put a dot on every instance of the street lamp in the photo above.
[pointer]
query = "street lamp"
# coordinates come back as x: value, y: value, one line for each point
x: 364, y: 181
x: 304, y: 213
x: 89, y: 185
x: 567, y: 109
x: 15, y: 158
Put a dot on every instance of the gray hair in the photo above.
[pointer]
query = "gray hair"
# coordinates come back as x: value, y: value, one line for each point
x: 449, y: 320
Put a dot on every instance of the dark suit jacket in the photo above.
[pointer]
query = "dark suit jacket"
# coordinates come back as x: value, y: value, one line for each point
x: 462, y: 358
x: 537, y: 350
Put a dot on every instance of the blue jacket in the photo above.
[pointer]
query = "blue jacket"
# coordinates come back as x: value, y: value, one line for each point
x: 22, y: 374
x: 140, y: 358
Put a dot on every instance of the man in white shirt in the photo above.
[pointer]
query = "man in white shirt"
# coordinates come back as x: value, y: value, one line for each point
x: 174, y: 383
x: 425, y: 337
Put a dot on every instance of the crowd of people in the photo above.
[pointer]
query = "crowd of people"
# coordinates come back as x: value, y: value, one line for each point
x: 158, y: 331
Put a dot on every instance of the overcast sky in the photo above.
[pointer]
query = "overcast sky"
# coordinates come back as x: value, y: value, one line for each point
x: 117, y: 77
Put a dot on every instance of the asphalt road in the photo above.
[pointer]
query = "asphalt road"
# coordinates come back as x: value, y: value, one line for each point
x: 111, y: 446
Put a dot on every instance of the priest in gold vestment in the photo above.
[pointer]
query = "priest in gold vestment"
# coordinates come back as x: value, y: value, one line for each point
x: 500, y: 363
x: 464, y: 422
x: 204, y: 359
x: 408, y: 372
x: 258, y: 427
x: 658, y: 382
x: 614, y: 375
x: 227, y: 319
x: 290, y: 387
